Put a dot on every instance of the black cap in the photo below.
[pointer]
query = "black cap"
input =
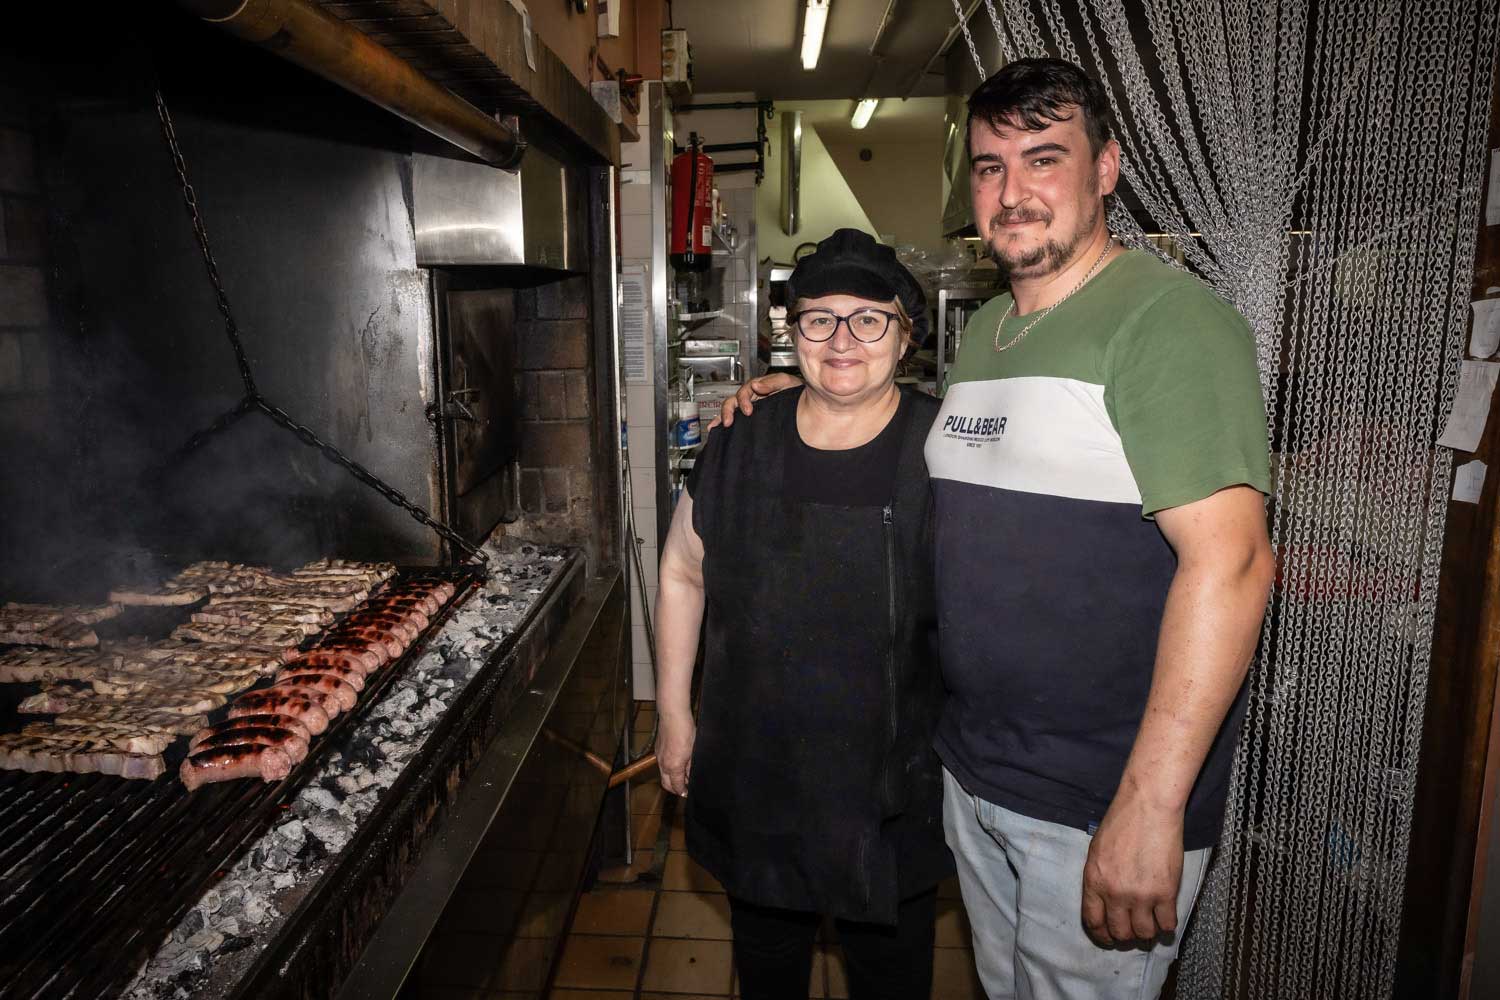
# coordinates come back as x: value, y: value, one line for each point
x: 851, y: 263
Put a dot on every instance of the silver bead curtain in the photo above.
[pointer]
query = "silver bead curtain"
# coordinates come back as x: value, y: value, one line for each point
x: 1320, y: 164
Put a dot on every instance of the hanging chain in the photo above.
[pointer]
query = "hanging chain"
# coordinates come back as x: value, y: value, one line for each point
x: 190, y: 198
x: 395, y: 496
x: 963, y: 23
x: 253, y: 398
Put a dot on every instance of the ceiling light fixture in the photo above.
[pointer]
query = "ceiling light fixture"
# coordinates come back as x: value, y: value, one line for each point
x: 864, y: 111
x: 813, y: 25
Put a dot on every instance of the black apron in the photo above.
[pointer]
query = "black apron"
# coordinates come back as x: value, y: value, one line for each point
x: 814, y: 784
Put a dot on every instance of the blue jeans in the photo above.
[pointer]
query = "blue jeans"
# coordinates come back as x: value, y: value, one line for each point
x: 1022, y: 882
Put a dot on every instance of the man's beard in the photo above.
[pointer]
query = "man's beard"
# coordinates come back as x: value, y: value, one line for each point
x: 1049, y: 258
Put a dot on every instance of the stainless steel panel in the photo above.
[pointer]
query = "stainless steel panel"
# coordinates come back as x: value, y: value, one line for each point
x: 553, y: 216
x: 791, y: 172
x: 466, y: 213
x: 472, y: 214
x: 660, y: 125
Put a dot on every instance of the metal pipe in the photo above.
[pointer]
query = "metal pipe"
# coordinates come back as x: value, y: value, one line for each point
x: 302, y: 32
x: 885, y: 22
x: 683, y: 109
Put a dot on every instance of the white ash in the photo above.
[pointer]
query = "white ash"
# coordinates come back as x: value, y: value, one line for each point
x: 236, y: 919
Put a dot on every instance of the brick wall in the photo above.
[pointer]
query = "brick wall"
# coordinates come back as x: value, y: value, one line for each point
x: 557, y: 469
x: 24, y: 315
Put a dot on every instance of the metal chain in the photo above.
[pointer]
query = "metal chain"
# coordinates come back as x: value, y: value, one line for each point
x: 963, y: 24
x: 190, y: 198
x: 253, y: 399
x: 395, y: 496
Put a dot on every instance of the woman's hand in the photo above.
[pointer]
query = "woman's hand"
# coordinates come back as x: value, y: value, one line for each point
x: 674, y: 752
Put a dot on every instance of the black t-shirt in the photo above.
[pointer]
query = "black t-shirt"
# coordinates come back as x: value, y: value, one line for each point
x: 851, y: 477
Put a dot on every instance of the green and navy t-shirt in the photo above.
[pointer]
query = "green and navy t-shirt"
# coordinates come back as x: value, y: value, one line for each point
x: 1137, y: 393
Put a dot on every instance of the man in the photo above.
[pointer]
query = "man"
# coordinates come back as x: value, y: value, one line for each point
x: 1102, y: 559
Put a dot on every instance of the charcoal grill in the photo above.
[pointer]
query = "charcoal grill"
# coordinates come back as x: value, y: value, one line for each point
x: 95, y: 870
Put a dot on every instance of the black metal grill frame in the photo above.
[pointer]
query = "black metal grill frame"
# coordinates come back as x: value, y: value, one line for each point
x: 95, y: 870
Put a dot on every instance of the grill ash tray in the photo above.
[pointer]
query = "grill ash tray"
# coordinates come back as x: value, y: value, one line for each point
x: 95, y: 870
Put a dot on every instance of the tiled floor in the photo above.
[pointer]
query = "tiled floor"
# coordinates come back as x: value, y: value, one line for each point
x: 669, y: 939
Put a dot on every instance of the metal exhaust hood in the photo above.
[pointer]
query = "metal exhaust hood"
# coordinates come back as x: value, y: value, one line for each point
x: 469, y: 213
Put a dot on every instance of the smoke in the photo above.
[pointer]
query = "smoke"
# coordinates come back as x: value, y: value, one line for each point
x: 313, y: 236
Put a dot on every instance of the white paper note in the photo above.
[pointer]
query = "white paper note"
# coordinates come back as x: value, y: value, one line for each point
x: 635, y: 351
x: 1492, y: 203
x: 530, y: 46
x: 1471, y: 405
x: 1484, y: 339
x: 1468, y: 481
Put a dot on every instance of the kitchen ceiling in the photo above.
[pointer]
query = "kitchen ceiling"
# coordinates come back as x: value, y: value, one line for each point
x: 753, y: 46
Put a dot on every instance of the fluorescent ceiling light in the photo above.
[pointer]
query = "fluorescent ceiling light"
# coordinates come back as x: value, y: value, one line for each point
x: 864, y: 111
x: 813, y: 25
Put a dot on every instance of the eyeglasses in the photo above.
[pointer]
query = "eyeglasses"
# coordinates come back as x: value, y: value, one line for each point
x: 866, y: 325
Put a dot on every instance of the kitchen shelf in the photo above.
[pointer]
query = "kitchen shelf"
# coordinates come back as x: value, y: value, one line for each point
x: 691, y: 321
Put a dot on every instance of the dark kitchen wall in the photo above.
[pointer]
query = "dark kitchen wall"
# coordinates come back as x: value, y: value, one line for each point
x: 305, y: 192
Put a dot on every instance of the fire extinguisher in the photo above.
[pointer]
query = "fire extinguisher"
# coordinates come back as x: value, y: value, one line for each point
x: 692, y: 207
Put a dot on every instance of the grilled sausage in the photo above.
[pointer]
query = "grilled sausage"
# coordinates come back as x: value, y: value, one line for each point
x: 299, y: 705
x: 407, y: 608
x: 326, y: 686
x: 236, y: 761
x: 261, y: 736
x: 390, y: 642
x: 250, y: 721
x: 372, y: 654
x: 390, y: 620
x: 351, y: 676
x: 335, y: 660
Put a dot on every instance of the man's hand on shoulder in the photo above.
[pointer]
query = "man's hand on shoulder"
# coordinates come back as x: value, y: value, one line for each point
x: 757, y: 388
x: 1133, y: 872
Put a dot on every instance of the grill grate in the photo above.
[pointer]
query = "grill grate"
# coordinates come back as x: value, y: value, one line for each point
x: 96, y: 870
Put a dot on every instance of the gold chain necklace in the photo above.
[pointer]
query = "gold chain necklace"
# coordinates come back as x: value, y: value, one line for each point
x: 1027, y: 328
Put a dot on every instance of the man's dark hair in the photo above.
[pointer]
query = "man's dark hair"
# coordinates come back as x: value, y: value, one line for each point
x: 1033, y: 93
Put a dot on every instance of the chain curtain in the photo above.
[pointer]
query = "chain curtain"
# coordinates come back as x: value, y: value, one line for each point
x: 1319, y: 164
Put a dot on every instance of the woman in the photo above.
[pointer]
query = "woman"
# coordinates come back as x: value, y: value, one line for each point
x: 803, y: 549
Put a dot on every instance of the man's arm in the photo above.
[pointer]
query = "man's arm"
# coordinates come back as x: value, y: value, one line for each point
x: 679, y: 616
x: 756, y: 388
x: 1209, y: 630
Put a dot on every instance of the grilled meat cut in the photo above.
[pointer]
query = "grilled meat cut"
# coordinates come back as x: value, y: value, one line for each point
x: 237, y: 761
x: 158, y: 597
x: 279, y: 640
x: 192, y: 584
x: 63, y: 698
x: 29, y: 664
x: 83, y: 614
x: 125, y: 738
x: 20, y: 752
x: 38, y: 625
x: 141, y: 721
